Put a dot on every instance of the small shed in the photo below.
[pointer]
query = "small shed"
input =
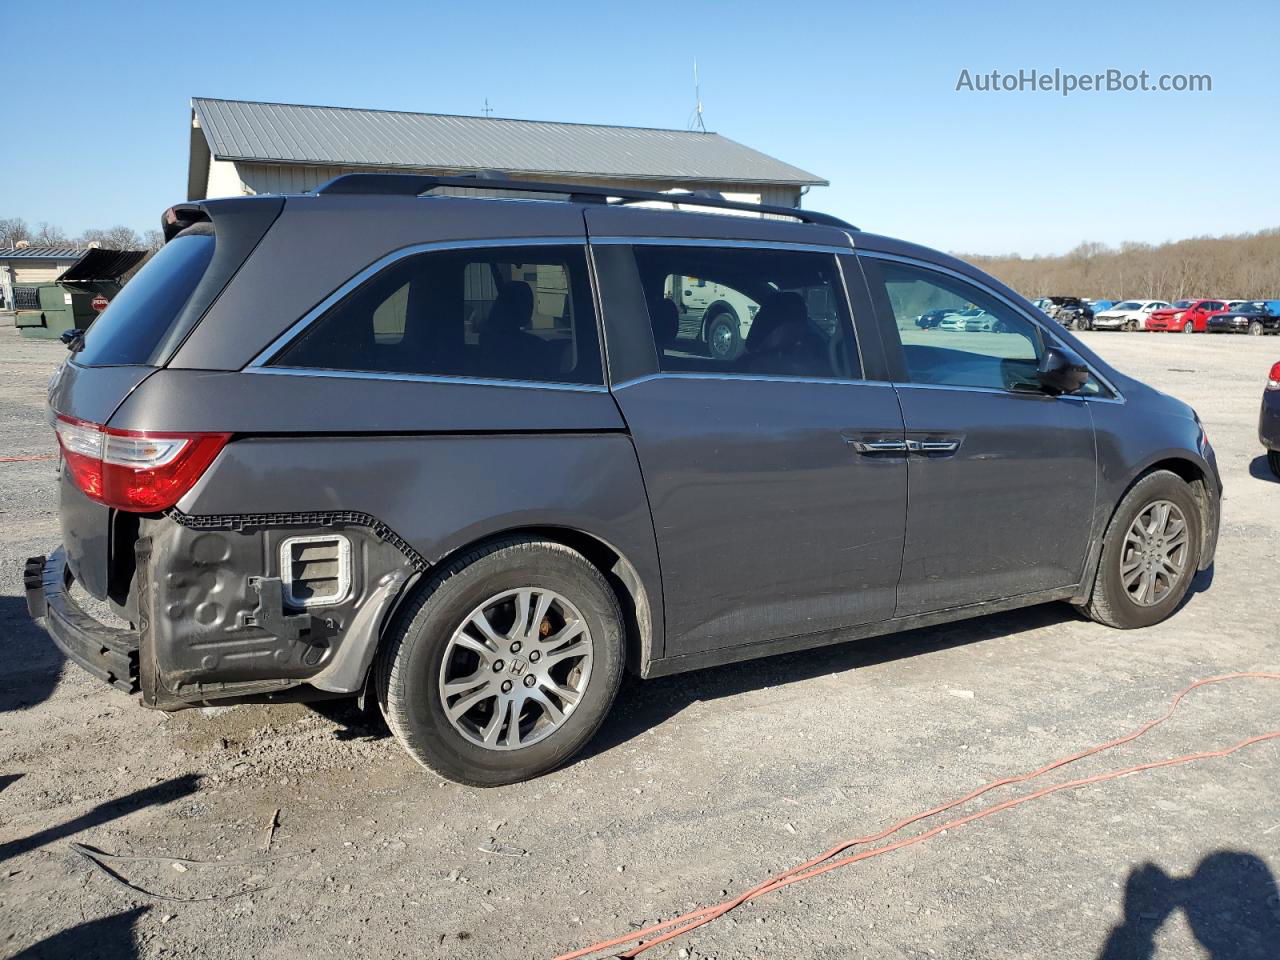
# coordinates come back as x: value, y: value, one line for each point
x: 30, y: 266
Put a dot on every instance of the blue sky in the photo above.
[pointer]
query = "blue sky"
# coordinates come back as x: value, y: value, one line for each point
x: 861, y: 93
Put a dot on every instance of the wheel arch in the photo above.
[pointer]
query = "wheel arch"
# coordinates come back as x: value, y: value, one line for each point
x: 1196, y: 476
x: 713, y: 310
x: 621, y: 574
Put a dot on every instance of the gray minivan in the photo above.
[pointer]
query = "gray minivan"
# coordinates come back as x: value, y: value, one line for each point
x: 452, y: 454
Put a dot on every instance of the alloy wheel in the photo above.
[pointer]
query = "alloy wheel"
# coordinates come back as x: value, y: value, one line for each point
x: 516, y: 668
x: 1154, y: 559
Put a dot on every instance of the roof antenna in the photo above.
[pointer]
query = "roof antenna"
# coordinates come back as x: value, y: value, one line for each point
x: 696, y: 121
x: 487, y: 110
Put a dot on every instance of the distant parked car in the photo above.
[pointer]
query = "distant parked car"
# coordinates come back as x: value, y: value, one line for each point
x: 1042, y: 304
x: 1189, y: 316
x: 973, y: 320
x: 1127, y: 315
x: 1099, y: 305
x: 1072, y: 312
x: 930, y: 319
x: 1269, y: 419
x: 1251, y: 316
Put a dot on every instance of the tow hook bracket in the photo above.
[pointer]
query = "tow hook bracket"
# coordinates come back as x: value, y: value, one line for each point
x: 269, y: 614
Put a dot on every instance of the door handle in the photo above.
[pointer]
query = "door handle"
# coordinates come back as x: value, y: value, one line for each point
x: 877, y: 446
x: 933, y: 446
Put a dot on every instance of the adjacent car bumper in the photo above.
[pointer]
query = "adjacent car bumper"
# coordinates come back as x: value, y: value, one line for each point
x: 1269, y: 420
x: 109, y: 653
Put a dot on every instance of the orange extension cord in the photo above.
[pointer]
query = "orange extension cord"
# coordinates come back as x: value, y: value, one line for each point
x: 823, y: 863
x: 39, y: 456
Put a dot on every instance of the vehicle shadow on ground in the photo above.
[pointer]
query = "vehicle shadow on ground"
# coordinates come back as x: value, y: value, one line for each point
x: 1230, y: 902
x: 1201, y: 582
x: 353, y: 722
x: 1259, y: 469
x: 163, y: 792
x: 109, y: 938
x: 643, y: 705
x: 32, y: 665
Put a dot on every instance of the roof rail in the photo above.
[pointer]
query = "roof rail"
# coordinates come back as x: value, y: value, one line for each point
x: 414, y: 184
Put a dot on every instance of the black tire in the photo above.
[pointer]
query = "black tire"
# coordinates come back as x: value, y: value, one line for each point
x: 723, y: 335
x: 411, y: 660
x: 1273, y: 461
x: 1131, y: 326
x: 1110, y: 603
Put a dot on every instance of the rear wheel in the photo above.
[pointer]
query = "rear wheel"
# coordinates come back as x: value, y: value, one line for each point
x: 506, y: 663
x: 1150, y: 555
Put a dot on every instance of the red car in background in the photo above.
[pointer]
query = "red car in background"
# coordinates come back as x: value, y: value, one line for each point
x: 1188, y: 316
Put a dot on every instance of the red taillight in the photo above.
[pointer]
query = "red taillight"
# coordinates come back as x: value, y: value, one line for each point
x: 135, y: 470
x: 1273, y: 378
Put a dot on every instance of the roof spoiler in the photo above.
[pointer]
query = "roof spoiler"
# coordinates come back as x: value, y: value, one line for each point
x: 412, y: 185
x: 180, y: 216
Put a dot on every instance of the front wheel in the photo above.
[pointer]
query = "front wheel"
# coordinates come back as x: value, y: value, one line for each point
x: 1255, y: 328
x: 1131, y: 326
x: 506, y: 663
x: 724, y: 341
x: 1273, y: 461
x: 1188, y: 327
x: 1150, y: 554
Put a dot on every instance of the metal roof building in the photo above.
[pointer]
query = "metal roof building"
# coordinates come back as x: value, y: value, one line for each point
x: 242, y: 147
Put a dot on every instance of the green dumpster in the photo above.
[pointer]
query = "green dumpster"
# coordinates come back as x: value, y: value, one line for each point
x: 76, y: 297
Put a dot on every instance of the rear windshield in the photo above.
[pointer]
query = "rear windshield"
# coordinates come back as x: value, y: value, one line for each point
x: 129, y: 330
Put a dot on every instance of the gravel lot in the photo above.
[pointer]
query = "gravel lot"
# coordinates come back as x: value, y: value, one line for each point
x: 697, y: 785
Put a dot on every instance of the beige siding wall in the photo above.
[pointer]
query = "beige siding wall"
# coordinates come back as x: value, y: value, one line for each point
x: 224, y: 180
x: 253, y: 178
x: 39, y: 271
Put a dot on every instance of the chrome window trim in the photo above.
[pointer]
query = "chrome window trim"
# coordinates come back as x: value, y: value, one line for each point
x: 259, y: 362
x: 427, y: 378
x: 754, y: 377
x: 1044, y: 330
x: 724, y: 243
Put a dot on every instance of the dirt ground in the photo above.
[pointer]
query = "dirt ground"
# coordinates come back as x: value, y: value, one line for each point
x: 697, y: 785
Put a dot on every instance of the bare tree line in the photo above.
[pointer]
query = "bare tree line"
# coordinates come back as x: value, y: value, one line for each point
x: 1243, y: 266
x: 13, y: 230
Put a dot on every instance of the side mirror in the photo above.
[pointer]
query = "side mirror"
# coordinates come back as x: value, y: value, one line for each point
x: 1061, y: 371
x: 69, y: 337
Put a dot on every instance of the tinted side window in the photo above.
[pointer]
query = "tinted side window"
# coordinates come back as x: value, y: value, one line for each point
x: 514, y: 313
x: 747, y: 311
x: 139, y: 316
x: 955, y: 334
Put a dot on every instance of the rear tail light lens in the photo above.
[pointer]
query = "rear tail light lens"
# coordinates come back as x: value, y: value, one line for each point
x: 1273, y: 378
x: 135, y: 470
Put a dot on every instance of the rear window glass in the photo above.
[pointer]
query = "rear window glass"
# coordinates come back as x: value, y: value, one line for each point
x: 130, y: 329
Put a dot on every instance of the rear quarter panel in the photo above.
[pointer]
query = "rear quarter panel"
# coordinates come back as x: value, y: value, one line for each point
x: 443, y: 492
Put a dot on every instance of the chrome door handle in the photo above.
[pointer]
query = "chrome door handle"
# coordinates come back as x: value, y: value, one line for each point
x: 877, y: 446
x: 933, y: 446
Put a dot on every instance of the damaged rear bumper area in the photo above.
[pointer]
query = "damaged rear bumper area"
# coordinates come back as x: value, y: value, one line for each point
x: 232, y: 613
x: 109, y: 653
